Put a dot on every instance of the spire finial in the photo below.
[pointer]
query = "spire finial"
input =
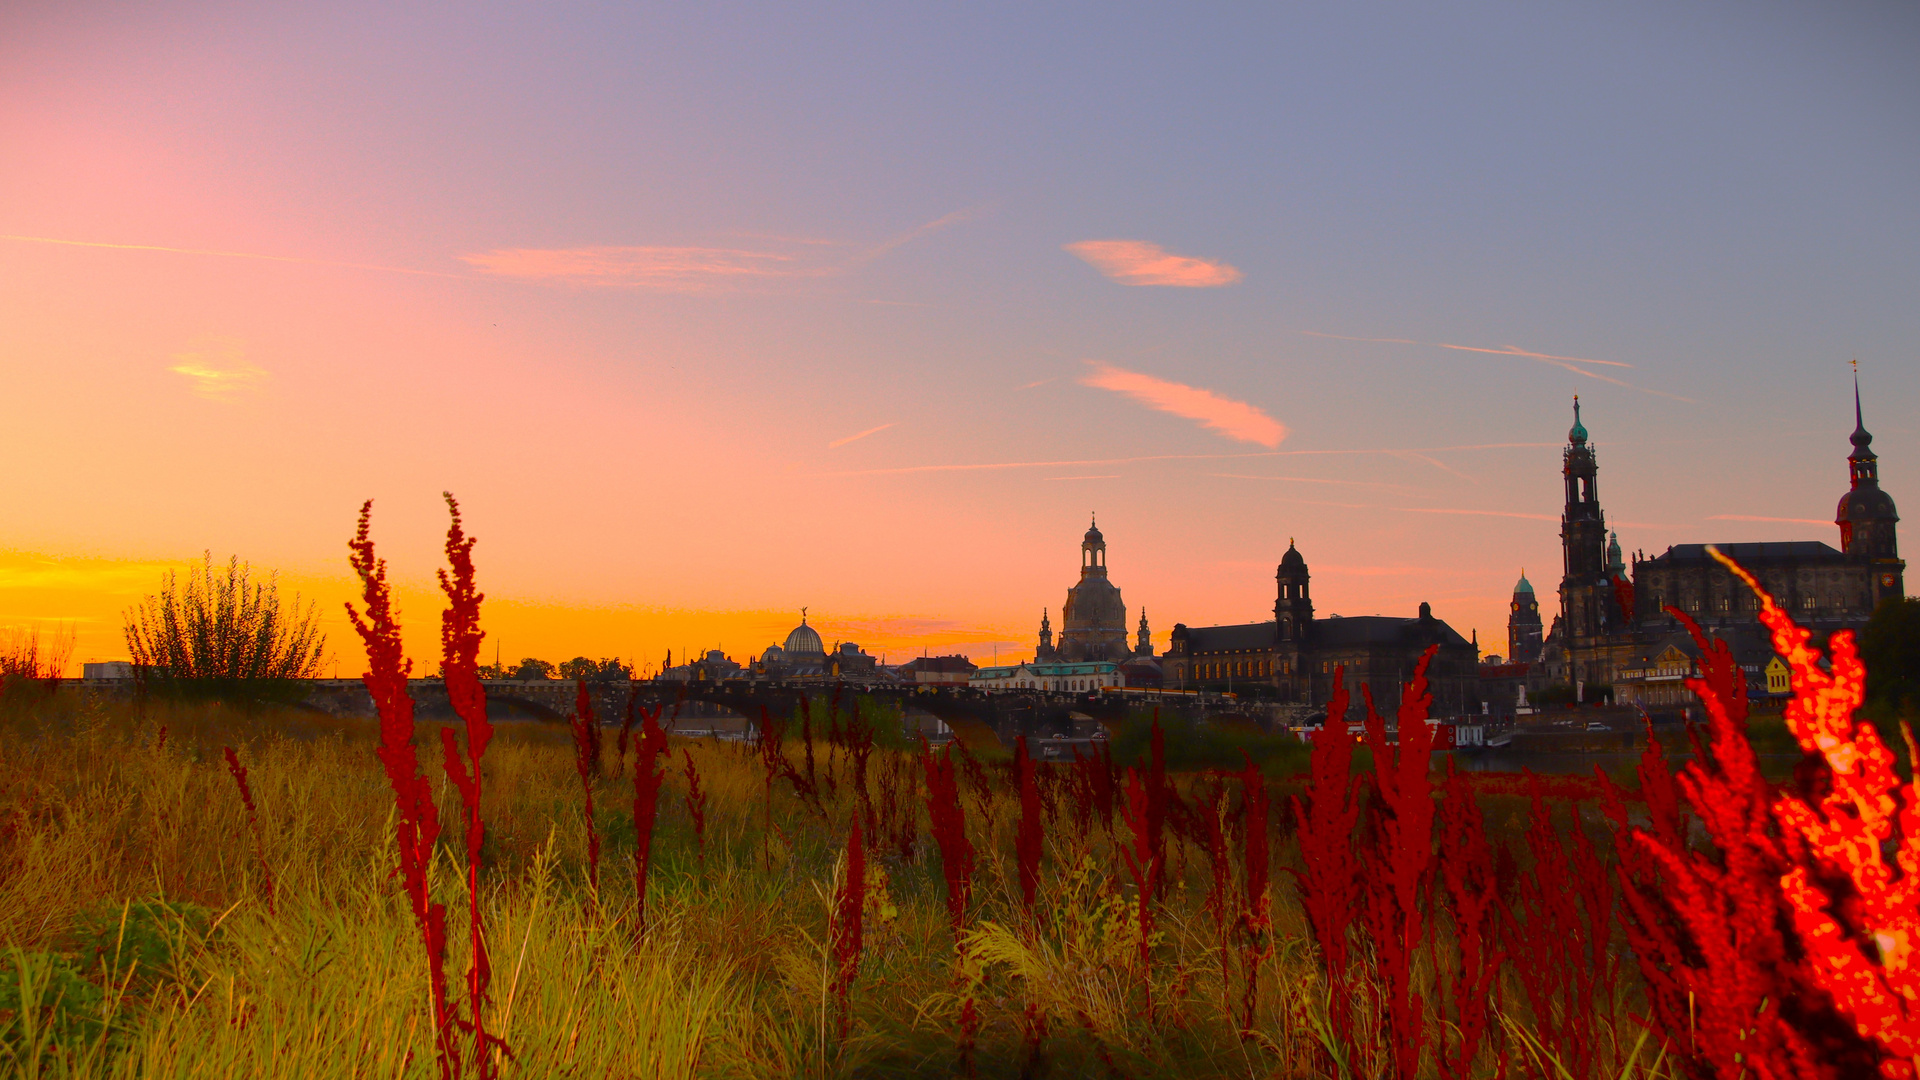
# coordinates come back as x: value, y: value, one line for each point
x: 803, y: 616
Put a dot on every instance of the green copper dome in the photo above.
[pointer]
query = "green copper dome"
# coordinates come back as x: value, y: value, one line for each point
x: 1578, y: 433
x: 1524, y: 586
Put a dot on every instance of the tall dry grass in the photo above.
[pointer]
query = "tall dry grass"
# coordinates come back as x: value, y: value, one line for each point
x: 126, y: 860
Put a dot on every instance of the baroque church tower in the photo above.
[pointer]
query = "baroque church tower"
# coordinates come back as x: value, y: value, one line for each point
x: 1093, y: 621
x: 1523, y: 624
x: 1866, y: 516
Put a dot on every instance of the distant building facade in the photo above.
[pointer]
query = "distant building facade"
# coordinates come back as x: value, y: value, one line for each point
x: 803, y: 655
x: 1616, y: 630
x: 1293, y: 657
x: 1092, y: 675
x: 936, y: 671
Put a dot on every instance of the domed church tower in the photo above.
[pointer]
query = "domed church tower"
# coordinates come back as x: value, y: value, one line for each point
x: 1093, y: 621
x: 1523, y: 623
x: 1866, y: 516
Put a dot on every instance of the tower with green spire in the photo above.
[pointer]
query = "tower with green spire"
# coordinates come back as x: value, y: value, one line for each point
x: 1524, y: 630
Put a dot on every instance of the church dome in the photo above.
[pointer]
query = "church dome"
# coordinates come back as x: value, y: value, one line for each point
x: 805, y: 640
x: 1293, y: 557
x: 1577, y: 434
x: 1093, y: 535
x: 1865, y: 504
x: 1524, y: 586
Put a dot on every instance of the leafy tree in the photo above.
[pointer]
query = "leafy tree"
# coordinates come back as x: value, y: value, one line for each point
x: 606, y: 669
x: 530, y: 669
x: 1890, y: 645
x: 224, y: 635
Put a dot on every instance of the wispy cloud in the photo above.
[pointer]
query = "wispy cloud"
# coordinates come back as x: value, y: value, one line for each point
x: 698, y: 268
x: 668, y: 269
x: 1102, y: 476
x: 1751, y: 517
x: 916, y: 233
x: 1136, y: 262
x: 1038, y: 382
x: 1234, y: 419
x: 1566, y: 363
x: 837, y: 443
x: 218, y: 369
x: 225, y: 255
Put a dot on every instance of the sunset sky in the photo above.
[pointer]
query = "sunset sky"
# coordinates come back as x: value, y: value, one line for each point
x: 708, y: 312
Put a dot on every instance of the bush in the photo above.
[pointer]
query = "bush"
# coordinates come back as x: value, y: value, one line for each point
x: 224, y: 637
x: 145, y: 938
x: 46, y: 1009
x: 1192, y: 745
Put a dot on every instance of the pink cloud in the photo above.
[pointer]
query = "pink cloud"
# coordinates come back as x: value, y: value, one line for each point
x: 1135, y: 262
x: 1234, y: 419
x: 671, y: 269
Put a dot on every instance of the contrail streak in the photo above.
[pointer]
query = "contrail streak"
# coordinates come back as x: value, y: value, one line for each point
x: 1566, y: 363
x: 230, y: 255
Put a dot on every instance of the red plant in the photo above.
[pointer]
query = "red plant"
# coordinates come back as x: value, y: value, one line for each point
x: 1143, y: 864
x: 696, y: 805
x: 239, y: 772
x: 1029, y: 841
x: 1329, y: 879
x: 1156, y: 807
x: 1731, y: 987
x: 586, y: 747
x: 858, y: 739
x: 1858, y: 919
x: 1468, y: 869
x: 949, y: 824
x: 460, y: 670
x: 647, y: 774
x: 1559, y: 935
x: 1256, y: 920
x: 849, y: 909
x: 1401, y: 821
x: 418, y: 821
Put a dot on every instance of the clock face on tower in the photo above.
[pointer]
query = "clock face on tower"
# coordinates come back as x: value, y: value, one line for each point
x: 1886, y: 581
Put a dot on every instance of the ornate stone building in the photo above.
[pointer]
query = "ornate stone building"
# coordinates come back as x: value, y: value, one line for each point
x: 1093, y: 621
x: 1612, y: 632
x: 1293, y: 656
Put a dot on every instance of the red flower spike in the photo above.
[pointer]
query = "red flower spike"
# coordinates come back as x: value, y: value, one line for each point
x: 1869, y: 962
x: 239, y: 772
x: 417, y: 824
x: 460, y: 638
x: 586, y: 743
x: 849, y: 910
x: 949, y: 824
x: 1402, y: 820
x: 1329, y: 880
x: 647, y: 774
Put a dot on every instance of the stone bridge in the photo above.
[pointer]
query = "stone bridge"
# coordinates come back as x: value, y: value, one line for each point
x: 973, y: 715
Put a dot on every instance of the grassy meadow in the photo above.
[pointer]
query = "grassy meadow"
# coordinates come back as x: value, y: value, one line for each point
x: 141, y: 936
